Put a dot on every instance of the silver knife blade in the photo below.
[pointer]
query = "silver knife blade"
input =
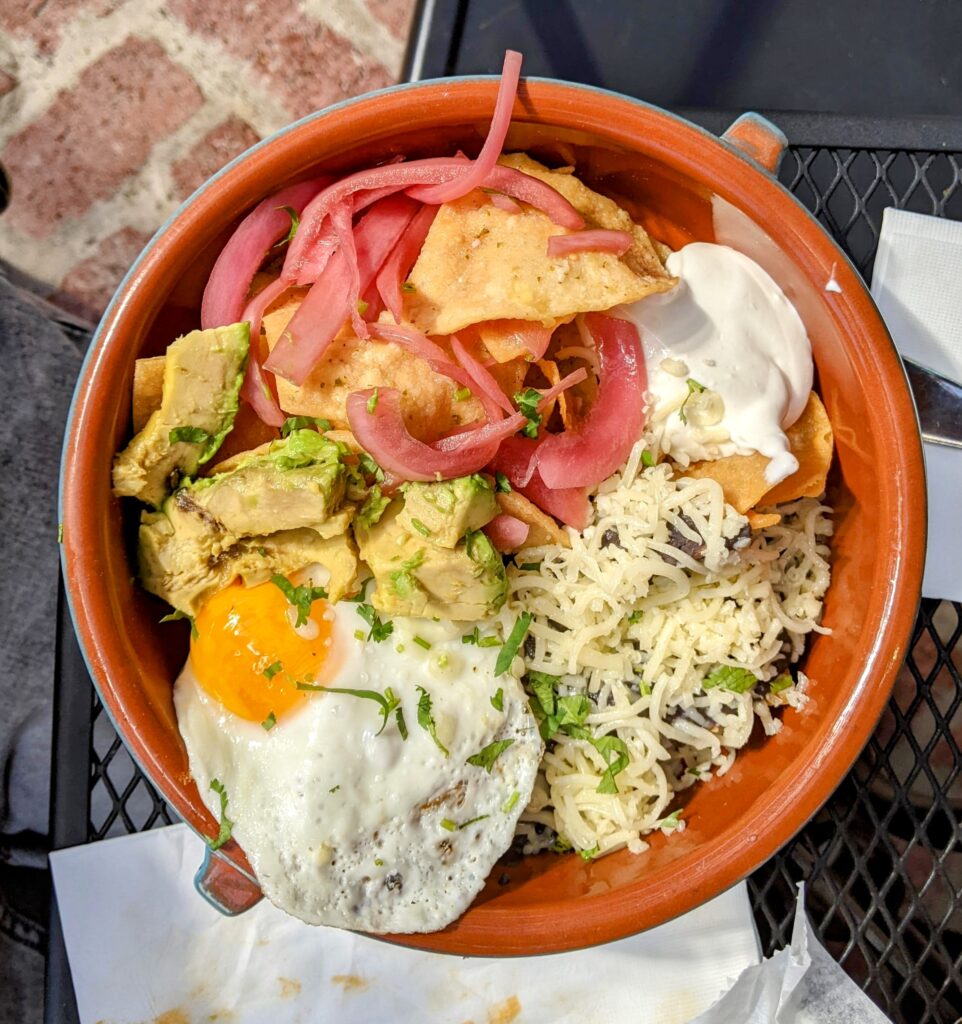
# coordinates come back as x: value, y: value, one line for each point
x: 939, y: 404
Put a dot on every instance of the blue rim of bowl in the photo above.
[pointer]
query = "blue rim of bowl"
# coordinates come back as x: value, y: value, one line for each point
x: 96, y: 337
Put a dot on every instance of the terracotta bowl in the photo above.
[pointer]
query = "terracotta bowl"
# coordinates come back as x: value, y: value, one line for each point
x: 684, y: 184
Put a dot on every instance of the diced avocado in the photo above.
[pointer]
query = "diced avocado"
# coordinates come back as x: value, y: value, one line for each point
x: 186, y: 556
x: 417, y: 577
x: 294, y: 482
x: 445, y: 511
x: 203, y: 374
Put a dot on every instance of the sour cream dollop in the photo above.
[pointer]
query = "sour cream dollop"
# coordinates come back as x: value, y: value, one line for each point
x: 726, y: 328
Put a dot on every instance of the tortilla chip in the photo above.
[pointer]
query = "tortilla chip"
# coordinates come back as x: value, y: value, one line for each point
x: 428, y: 404
x: 504, y: 339
x: 568, y: 350
x: 542, y: 529
x: 742, y: 477
x: 482, y: 263
x: 148, y: 389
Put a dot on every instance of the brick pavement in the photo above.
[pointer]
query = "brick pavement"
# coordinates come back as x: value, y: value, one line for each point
x: 113, y: 111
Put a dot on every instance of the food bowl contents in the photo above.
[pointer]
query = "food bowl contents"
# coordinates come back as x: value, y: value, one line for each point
x: 521, y: 534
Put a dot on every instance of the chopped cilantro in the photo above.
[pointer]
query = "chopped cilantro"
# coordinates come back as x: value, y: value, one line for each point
x: 471, y: 821
x: 512, y: 644
x: 304, y: 423
x: 272, y: 670
x: 561, y: 844
x: 497, y: 701
x: 527, y: 402
x: 502, y: 483
x: 379, y: 630
x: 402, y: 726
x: 408, y: 287
x: 421, y: 642
x: 779, y: 683
x: 449, y: 825
x: 634, y: 617
x: 729, y: 677
x: 301, y: 597
x: 188, y: 435
x: 420, y: 527
x: 269, y: 722
x: 647, y: 459
x: 295, y: 223
x: 615, y: 753
x: 462, y: 394
x: 176, y: 615
x: 362, y: 308
x: 442, y: 661
x: 386, y: 702
x: 670, y: 822
x: 530, y: 566
x: 359, y: 634
x: 370, y: 467
x: 589, y: 854
x: 479, y: 640
x: 372, y: 402
x: 694, y: 388
x: 226, y: 825
x: 486, y: 756
x: 373, y: 507
x: 378, y: 863
x: 509, y: 804
x: 426, y: 719
x: 644, y: 688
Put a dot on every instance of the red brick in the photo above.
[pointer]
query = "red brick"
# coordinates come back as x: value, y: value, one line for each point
x: 219, y: 146
x: 7, y: 83
x: 96, y: 134
x: 86, y: 289
x: 306, y: 65
x: 395, y: 15
x: 44, y: 22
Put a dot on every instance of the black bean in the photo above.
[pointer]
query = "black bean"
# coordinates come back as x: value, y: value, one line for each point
x: 529, y: 646
x: 611, y: 536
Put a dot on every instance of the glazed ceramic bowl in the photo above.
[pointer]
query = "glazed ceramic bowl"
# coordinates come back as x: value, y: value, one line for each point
x: 683, y: 184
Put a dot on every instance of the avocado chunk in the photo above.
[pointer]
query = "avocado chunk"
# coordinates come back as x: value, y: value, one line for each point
x: 419, y: 578
x: 291, y: 483
x: 444, y: 512
x: 203, y: 374
x: 186, y: 556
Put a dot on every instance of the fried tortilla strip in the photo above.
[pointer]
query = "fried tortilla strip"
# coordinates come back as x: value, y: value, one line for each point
x: 542, y: 529
x: 428, y: 404
x: 148, y: 389
x: 506, y: 339
x: 759, y: 520
x: 482, y: 263
x: 742, y: 477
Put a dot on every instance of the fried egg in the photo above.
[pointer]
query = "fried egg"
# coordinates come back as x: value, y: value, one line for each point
x: 356, y: 812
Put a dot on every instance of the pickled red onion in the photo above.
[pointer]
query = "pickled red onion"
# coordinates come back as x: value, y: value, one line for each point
x: 398, y: 265
x: 588, y: 455
x: 569, y: 504
x: 241, y: 257
x: 381, y: 432
x: 483, y: 383
x: 503, y: 202
x: 477, y: 172
x: 507, y: 533
x: 593, y: 240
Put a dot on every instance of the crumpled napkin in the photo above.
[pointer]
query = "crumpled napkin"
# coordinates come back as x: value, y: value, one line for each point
x: 142, y: 944
x: 917, y: 283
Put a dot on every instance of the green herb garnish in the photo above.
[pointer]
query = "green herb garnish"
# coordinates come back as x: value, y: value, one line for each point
x: 561, y: 844
x: 379, y: 630
x: 635, y: 617
x: 615, y: 753
x: 530, y: 566
x: 694, y: 388
x: 670, y: 822
x: 301, y: 597
x: 188, y: 435
x: 177, y: 615
x: 295, y: 223
x: 372, y: 402
x: 486, y: 756
x: 479, y: 640
x: 334, y: 789
x: 408, y: 287
x: 647, y: 459
x: 373, y: 507
x: 272, y: 670
x: 527, y: 402
x: 779, y: 683
x: 226, y: 825
x: 386, y: 702
x: 448, y: 824
x: 303, y: 423
x: 60, y: 533
x: 508, y: 805
x: 589, y: 854
x: 426, y: 719
x: 502, y: 483
x: 420, y: 527
x: 512, y: 644
x: 461, y: 394
x: 471, y: 821
x: 497, y: 701
x: 421, y: 642
x: 370, y: 467
x: 362, y: 308
x: 269, y: 722
x: 728, y: 677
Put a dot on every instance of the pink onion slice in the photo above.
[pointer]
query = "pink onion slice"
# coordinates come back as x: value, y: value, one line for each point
x: 435, y: 356
x: 588, y: 455
x: 381, y: 432
x: 403, y: 257
x: 536, y: 193
x: 594, y: 240
x: 503, y: 202
x: 507, y: 533
x: 569, y: 504
x: 483, y: 383
x: 378, y: 233
x: 342, y: 219
x: 476, y: 173
x: 239, y: 260
x: 258, y: 393
x: 315, y: 324
x: 257, y: 307
x: 311, y: 268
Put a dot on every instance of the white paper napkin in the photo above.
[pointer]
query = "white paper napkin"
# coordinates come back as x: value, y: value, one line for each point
x: 917, y: 284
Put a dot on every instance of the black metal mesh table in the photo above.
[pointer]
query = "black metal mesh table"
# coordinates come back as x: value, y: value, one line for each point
x: 883, y: 858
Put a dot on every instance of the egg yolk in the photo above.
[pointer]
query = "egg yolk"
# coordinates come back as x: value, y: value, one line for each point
x: 248, y: 655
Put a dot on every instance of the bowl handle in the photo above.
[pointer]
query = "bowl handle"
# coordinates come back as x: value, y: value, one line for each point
x: 758, y: 138
x: 225, y: 887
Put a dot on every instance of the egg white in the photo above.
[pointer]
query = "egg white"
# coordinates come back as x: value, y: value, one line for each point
x: 343, y: 826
